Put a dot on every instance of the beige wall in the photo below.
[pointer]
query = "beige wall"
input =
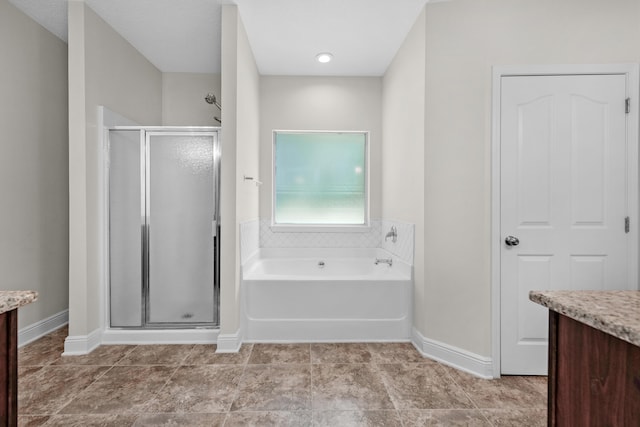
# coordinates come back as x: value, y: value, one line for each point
x: 240, y: 117
x: 33, y: 164
x: 248, y: 131
x: 464, y: 39
x: 403, y: 121
x: 183, y: 101
x: 457, y: 194
x: 104, y: 69
x: 320, y: 103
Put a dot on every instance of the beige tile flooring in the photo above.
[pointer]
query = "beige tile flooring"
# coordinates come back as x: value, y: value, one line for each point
x: 264, y: 385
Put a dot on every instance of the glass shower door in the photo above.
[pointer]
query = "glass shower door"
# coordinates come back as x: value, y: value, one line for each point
x: 180, y: 209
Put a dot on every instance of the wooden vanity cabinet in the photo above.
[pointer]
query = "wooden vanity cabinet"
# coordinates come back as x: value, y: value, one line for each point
x: 594, y: 377
x: 9, y: 368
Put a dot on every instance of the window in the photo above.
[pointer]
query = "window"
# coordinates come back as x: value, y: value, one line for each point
x: 320, y: 178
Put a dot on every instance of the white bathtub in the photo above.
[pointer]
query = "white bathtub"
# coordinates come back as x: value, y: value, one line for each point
x: 326, y: 295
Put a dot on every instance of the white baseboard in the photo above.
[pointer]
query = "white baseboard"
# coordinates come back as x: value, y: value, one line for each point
x: 151, y: 336
x: 82, y: 344
x: 328, y: 330
x: 43, y: 327
x: 455, y: 357
x: 229, y: 343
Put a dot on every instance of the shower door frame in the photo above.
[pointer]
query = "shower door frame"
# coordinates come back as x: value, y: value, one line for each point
x: 145, y: 133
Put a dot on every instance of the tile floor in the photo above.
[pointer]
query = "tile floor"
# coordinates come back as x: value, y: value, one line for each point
x: 264, y: 385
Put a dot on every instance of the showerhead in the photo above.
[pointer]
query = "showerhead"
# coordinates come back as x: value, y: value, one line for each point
x: 211, y: 99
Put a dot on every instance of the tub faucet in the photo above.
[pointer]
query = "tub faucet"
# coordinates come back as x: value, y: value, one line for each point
x: 384, y: 261
x: 393, y: 234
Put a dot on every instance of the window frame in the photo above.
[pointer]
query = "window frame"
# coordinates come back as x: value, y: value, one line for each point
x: 318, y: 227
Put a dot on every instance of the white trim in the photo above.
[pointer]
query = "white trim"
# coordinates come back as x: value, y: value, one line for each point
x: 328, y: 330
x: 328, y: 341
x: 498, y: 72
x: 633, y: 138
x: 43, y: 327
x: 104, y: 115
x: 632, y: 72
x: 562, y: 70
x: 180, y: 129
x: 229, y: 343
x: 457, y: 358
x: 291, y: 228
x: 160, y: 336
x: 82, y: 344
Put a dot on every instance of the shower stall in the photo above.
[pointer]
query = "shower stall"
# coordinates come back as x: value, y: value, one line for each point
x: 164, y: 230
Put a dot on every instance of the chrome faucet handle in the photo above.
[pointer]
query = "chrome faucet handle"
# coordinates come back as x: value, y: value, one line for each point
x: 393, y: 234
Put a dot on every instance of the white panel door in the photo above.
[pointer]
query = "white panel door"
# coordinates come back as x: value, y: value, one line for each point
x: 563, y: 197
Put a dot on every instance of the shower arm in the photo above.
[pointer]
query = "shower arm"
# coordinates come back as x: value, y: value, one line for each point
x: 211, y: 99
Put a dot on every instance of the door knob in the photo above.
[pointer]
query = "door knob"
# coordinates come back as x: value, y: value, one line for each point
x: 512, y: 241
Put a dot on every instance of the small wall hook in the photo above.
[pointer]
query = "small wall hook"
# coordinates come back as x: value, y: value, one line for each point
x: 250, y: 178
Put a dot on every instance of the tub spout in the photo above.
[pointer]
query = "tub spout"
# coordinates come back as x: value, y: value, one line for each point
x: 388, y: 261
x: 393, y: 233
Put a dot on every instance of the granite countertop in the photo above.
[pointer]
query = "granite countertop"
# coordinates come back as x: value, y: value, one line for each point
x: 10, y: 300
x: 615, y: 312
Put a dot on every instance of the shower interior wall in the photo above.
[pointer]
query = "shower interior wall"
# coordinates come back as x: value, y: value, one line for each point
x: 183, y: 99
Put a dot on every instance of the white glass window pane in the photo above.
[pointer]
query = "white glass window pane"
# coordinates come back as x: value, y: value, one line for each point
x: 320, y: 178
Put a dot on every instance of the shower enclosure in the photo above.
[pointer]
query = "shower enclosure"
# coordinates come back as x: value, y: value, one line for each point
x: 163, y: 227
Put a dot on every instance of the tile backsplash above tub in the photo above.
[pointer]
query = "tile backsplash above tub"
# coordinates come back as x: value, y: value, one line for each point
x: 258, y: 234
x: 286, y: 239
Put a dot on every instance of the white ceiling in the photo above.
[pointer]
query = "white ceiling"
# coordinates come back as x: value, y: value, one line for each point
x: 285, y: 35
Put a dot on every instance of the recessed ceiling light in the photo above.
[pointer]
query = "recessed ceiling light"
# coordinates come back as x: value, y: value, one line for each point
x: 324, y: 57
